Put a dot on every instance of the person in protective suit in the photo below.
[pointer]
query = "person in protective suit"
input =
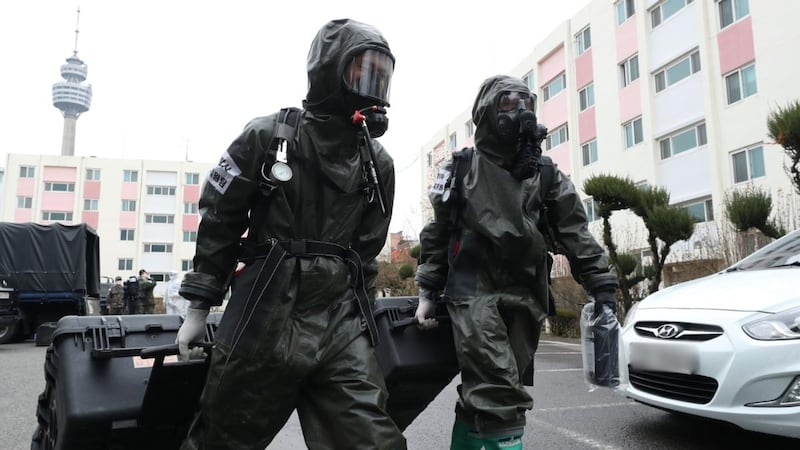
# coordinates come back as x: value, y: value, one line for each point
x: 173, y: 302
x: 484, y: 252
x: 298, y: 331
x: 145, y: 301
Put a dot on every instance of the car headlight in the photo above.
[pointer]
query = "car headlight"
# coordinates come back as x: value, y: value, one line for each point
x: 781, y: 326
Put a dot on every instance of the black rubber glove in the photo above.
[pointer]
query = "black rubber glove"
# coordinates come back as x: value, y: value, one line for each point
x: 604, y: 297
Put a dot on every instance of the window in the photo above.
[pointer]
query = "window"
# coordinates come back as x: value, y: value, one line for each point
x: 129, y: 205
x: 57, y: 215
x: 586, y: 97
x: 625, y: 9
x: 643, y: 185
x: 677, y: 71
x: 126, y: 235
x: 589, y: 151
x: 158, y: 248
x: 528, y: 79
x: 469, y: 128
x: 633, y: 132
x: 748, y: 164
x: 190, y: 208
x: 59, y: 187
x: 161, y: 190
x: 452, y: 142
x: 130, y: 176
x: 591, y: 209
x: 187, y: 265
x: 556, y: 137
x: 554, y: 87
x: 190, y: 236
x: 584, y: 40
x: 430, y: 159
x: 125, y: 264
x: 92, y: 174
x: 741, y: 83
x: 26, y: 171
x: 159, y: 218
x: 90, y: 204
x: 192, y: 178
x: 25, y: 202
x: 682, y: 141
x: 665, y: 10
x: 700, y: 210
x: 629, y: 70
x: 731, y: 11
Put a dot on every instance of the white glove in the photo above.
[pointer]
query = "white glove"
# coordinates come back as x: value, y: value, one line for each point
x: 425, y: 309
x: 192, y: 330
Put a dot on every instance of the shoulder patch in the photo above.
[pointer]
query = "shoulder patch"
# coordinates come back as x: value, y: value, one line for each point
x: 222, y: 175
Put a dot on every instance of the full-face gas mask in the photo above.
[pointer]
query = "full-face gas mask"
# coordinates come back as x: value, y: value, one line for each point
x: 515, y: 116
x: 367, y: 79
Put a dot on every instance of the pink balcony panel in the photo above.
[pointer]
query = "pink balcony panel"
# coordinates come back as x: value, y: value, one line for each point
x: 190, y: 222
x: 560, y: 156
x: 91, y: 189
x: 736, y: 45
x: 583, y: 69
x: 587, y: 128
x: 130, y: 191
x: 554, y: 111
x: 191, y: 193
x: 61, y: 174
x: 630, y: 101
x: 23, y: 215
x: 626, y: 40
x: 91, y: 218
x: 58, y: 201
x: 127, y: 220
x: 551, y: 66
x: 25, y: 187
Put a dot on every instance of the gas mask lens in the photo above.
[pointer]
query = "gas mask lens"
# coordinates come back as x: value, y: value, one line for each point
x: 510, y: 101
x: 369, y: 75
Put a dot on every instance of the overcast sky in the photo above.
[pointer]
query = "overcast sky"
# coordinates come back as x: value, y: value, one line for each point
x: 178, y: 74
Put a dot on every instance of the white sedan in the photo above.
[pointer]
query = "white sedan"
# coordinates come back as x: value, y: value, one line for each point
x: 726, y: 346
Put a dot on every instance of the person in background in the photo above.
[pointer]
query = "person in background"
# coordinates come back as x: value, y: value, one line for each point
x: 145, y: 302
x: 115, y: 299
x: 173, y: 302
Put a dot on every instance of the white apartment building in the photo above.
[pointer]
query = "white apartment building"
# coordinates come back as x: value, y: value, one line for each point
x: 673, y: 93
x: 145, y: 212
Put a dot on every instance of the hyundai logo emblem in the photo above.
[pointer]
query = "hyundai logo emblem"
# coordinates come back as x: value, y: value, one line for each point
x: 668, y: 331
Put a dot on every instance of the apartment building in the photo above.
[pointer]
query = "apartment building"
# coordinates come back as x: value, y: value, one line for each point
x: 145, y: 212
x: 673, y: 93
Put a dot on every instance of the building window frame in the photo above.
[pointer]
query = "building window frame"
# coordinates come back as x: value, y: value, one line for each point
x: 92, y: 174
x: 557, y: 137
x: 27, y: 171
x: 633, y: 132
x: 452, y: 142
x: 583, y: 40
x: 91, y: 204
x: 554, y: 87
x: 130, y: 176
x: 738, y: 9
x: 589, y: 152
x: 469, y: 129
x: 127, y: 234
x: 590, y: 208
x: 625, y: 9
x: 190, y: 236
x: 529, y: 80
x: 160, y: 219
x: 586, y: 97
x: 658, y: 14
x: 164, y: 191
x: 187, y: 265
x: 24, y: 202
x: 753, y: 166
x: 59, y: 186
x: 124, y: 263
x: 742, y: 89
x: 54, y: 216
x: 672, y: 74
x: 192, y: 178
x: 128, y: 205
x: 629, y: 70
x: 676, y: 143
x: 190, y: 208
x: 700, y: 209
x: 158, y: 247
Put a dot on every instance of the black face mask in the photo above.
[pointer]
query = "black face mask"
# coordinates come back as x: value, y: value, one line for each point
x: 516, y: 123
x: 376, y: 119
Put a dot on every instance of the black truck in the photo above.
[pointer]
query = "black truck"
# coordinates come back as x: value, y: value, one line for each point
x: 46, y: 272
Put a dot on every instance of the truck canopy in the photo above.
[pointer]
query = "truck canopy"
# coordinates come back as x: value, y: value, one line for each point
x: 48, y: 258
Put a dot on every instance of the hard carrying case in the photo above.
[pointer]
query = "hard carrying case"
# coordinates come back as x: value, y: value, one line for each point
x: 416, y: 364
x: 103, y: 390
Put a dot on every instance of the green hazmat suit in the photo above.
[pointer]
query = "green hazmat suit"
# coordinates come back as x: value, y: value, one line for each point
x: 300, y: 342
x: 492, y: 269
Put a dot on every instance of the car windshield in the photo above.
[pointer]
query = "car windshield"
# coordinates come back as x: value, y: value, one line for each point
x: 779, y: 253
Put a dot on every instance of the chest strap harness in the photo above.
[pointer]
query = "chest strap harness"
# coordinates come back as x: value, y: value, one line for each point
x: 276, y: 251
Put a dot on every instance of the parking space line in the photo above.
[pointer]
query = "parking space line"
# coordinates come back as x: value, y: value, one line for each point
x: 578, y: 369
x: 558, y: 353
x: 579, y: 407
x: 568, y: 344
x: 575, y: 436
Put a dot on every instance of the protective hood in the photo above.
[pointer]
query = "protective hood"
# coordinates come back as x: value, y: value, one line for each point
x: 332, y: 49
x: 484, y: 114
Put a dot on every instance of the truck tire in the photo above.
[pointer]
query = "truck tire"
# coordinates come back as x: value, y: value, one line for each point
x: 10, y: 333
x: 46, y: 433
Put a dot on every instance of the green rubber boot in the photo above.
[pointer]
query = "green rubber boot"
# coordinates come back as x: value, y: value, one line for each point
x: 461, y: 439
x: 503, y: 443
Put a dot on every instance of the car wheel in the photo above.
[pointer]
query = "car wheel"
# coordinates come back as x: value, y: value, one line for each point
x: 10, y: 333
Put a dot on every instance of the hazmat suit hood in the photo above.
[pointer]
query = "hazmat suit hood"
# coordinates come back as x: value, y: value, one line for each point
x: 484, y: 114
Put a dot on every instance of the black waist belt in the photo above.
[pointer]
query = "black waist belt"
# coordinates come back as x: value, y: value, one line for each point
x: 275, y: 252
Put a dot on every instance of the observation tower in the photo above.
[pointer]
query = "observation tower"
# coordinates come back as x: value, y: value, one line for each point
x: 73, y: 96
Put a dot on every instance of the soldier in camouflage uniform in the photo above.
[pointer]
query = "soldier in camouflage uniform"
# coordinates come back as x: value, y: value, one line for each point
x: 116, y: 298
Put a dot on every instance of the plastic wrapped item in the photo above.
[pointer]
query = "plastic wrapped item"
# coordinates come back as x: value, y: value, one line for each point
x: 600, y: 348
